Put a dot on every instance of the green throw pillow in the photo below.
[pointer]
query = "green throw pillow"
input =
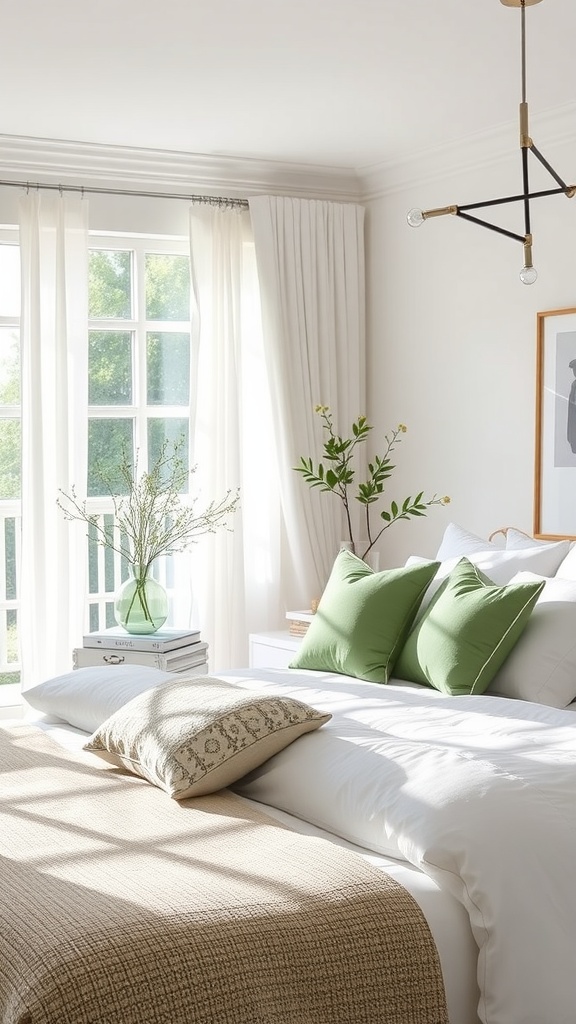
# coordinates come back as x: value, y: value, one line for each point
x: 363, y: 618
x: 466, y: 632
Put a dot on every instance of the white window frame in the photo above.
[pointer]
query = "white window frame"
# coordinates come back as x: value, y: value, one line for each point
x: 140, y: 245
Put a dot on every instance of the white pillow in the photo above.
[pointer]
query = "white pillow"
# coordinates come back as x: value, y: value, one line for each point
x: 567, y: 568
x: 502, y: 565
x: 86, y: 697
x: 542, y: 666
x: 516, y: 540
x: 457, y: 543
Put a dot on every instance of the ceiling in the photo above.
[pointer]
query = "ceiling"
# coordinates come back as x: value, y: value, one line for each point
x: 332, y: 83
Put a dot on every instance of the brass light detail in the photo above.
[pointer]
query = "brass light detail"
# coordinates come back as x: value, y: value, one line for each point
x: 528, y: 273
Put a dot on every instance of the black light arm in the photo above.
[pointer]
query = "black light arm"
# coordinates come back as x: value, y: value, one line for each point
x: 492, y: 227
x: 528, y: 274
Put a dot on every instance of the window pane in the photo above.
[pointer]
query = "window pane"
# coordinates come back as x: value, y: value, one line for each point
x: 167, y: 287
x: 110, y: 368
x: 9, y: 366
x: 168, y: 368
x: 173, y: 430
x: 109, y: 584
x: 10, y: 440
x: 110, y: 284
x: 9, y: 677
x: 12, y: 652
x: 10, y: 549
x: 9, y: 280
x: 107, y: 439
x: 93, y: 564
x: 93, y: 617
x: 97, y: 554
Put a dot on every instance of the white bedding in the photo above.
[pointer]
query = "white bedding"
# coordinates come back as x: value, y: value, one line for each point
x: 447, y: 919
x: 477, y: 792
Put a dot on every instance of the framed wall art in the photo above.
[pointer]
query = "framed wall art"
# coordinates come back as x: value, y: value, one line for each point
x: 555, y: 469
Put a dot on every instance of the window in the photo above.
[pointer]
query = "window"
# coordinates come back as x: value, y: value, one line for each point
x: 139, y: 378
x: 139, y: 370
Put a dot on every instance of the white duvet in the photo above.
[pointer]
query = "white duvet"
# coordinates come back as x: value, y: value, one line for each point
x: 478, y: 792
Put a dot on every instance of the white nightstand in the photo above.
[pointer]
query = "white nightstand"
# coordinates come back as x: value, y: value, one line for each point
x: 272, y: 650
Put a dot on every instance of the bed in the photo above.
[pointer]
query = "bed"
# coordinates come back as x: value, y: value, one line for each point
x: 466, y: 804
x: 120, y: 905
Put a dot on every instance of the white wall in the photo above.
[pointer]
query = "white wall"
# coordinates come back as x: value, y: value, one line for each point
x: 452, y: 343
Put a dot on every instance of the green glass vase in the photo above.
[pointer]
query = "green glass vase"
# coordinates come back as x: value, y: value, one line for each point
x: 141, y: 605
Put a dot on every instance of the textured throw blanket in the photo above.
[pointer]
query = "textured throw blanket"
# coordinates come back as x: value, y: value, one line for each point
x: 121, y: 906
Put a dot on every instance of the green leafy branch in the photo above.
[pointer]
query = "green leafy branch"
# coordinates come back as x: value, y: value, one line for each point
x: 336, y: 474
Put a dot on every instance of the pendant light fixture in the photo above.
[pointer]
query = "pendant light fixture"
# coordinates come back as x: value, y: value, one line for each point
x: 528, y: 273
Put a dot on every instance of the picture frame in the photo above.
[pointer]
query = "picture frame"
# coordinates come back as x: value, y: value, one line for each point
x: 555, y: 449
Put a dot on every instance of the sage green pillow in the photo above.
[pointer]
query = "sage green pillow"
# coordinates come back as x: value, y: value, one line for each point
x: 466, y: 632
x: 363, y: 618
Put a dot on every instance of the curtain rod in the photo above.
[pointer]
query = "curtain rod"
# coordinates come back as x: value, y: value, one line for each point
x: 220, y: 201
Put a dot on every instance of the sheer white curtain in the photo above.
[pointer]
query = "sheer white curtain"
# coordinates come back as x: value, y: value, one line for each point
x: 310, y: 257
x: 54, y: 346
x: 239, y: 570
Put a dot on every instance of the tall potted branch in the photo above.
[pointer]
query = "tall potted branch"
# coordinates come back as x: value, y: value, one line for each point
x: 336, y: 474
x: 151, y: 518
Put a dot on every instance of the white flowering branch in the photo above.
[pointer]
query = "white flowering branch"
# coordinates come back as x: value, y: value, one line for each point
x: 152, y: 517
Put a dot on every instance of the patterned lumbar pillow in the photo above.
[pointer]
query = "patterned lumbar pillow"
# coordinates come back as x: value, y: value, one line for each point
x: 195, y: 736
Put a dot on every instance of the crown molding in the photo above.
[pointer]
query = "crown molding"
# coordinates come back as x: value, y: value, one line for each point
x: 554, y: 127
x: 56, y: 161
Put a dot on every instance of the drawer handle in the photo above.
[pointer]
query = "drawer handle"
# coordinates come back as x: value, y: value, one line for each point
x: 113, y: 659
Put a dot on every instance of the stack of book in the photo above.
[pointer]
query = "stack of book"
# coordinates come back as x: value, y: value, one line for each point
x: 298, y: 622
x: 171, y: 649
x: 162, y: 641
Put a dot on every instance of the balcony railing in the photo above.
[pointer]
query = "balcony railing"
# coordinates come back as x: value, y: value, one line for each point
x: 106, y: 571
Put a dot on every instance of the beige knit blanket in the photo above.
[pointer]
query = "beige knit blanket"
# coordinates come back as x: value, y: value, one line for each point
x: 121, y: 906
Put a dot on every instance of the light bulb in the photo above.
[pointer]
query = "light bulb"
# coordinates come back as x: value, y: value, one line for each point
x: 528, y: 275
x: 415, y: 218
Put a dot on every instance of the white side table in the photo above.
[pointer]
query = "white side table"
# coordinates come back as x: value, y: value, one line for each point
x: 272, y: 650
